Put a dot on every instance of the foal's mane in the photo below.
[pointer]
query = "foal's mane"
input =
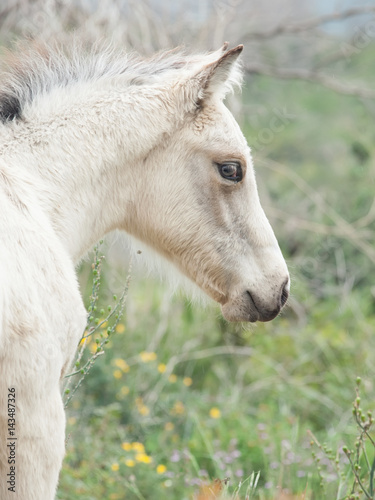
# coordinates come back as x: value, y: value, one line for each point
x: 34, y: 69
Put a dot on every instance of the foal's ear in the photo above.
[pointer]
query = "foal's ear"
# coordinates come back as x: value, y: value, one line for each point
x: 220, y: 76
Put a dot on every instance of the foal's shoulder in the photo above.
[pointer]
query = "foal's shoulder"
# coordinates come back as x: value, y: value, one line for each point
x: 36, y: 271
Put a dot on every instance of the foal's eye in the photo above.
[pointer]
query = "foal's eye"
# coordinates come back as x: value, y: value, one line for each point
x: 231, y: 171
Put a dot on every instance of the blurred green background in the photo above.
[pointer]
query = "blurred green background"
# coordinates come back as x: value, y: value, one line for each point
x: 180, y: 396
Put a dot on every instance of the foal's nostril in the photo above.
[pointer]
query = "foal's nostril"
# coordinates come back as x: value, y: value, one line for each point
x: 285, y: 293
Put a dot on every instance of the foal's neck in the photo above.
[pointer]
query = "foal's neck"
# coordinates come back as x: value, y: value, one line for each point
x: 88, y: 157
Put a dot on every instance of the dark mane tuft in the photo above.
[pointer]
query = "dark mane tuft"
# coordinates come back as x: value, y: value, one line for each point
x: 10, y: 107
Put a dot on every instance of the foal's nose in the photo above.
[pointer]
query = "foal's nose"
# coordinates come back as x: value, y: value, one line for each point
x: 268, y: 313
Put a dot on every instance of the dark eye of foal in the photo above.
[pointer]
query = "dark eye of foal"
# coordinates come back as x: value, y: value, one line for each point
x: 231, y: 171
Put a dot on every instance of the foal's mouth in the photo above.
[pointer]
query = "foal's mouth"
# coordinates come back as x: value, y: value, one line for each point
x: 240, y: 308
x: 248, y: 307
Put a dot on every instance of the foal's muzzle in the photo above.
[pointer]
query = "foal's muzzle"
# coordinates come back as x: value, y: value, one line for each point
x: 249, y: 306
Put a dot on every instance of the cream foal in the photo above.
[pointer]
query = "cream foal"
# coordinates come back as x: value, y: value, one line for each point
x: 92, y: 141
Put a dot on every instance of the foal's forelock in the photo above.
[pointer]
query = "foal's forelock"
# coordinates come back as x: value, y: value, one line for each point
x: 32, y: 71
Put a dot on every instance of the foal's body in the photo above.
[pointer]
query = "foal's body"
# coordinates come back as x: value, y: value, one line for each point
x: 86, y: 148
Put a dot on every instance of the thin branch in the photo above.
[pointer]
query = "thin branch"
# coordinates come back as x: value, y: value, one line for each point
x: 314, y: 227
x: 329, y: 60
x: 347, y: 230
x: 284, y: 28
x: 368, y: 218
x: 372, y: 472
x: 357, y: 477
x: 312, y: 77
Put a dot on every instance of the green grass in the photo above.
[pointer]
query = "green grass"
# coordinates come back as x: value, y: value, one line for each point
x: 200, y: 413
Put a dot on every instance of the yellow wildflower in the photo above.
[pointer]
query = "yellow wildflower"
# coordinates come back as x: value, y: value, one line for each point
x: 86, y: 340
x: 143, y: 410
x: 136, y: 446
x: 148, y: 356
x: 117, y: 373
x: 160, y: 469
x: 72, y: 420
x: 169, y: 426
x: 129, y: 462
x: 172, y: 378
x: 120, y: 328
x: 122, y: 364
x: 126, y: 446
x: 215, y: 413
x: 124, y: 390
x: 162, y: 367
x: 178, y: 408
x: 142, y: 457
x: 104, y: 325
x: 115, y: 467
x: 187, y: 381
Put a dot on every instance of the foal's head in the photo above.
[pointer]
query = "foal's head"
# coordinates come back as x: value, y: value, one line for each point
x: 198, y: 205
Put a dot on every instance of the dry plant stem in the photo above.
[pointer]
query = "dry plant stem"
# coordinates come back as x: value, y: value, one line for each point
x: 315, y: 227
x: 117, y: 312
x: 310, y: 24
x: 372, y: 473
x: 329, y: 60
x: 358, y: 479
x: 310, y: 76
x: 87, y: 367
x: 364, y: 429
x: 371, y: 468
x: 334, y: 463
x: 359, y: 447
x: 343, y: 229
x: 96, y: 270
x: 368, y: 218
x: 364, y: 425
x: 362, y: 446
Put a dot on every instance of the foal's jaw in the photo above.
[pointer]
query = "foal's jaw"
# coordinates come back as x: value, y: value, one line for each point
x: 246, y: 293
